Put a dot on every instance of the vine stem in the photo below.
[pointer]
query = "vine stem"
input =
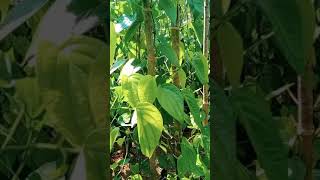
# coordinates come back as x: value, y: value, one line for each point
x: 149, y: 29
x: 149, y: 37
x: 305, y: 116
x: 205, y: 100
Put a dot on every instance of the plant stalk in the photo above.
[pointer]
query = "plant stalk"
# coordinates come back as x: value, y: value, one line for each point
x: 305, y: 115
x: 205, y: 100
x: 148, y: 24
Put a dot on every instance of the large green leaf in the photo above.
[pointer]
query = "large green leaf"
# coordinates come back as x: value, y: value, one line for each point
x: 19, y: 14
x: 139, y: 88
x: 147, y: 89
x: 71, y: 81
x: 150, y: 126
x: 171, y: 99
x: 231, y: 52
x: 200, y: 64
x: 224, y: 151
x: 294, y: 28
x: 130, y: 89
x: 263, y: 132
x: 170, y: 7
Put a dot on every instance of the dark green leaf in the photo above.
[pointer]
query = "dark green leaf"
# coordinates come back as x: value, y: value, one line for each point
x: 263, y: 132
x: 231, y: 52
x: 294, y: 28
x: 224, y: 153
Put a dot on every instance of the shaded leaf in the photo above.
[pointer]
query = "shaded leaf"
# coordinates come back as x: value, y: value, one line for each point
x: 231, y: 52
x: 263, y: 132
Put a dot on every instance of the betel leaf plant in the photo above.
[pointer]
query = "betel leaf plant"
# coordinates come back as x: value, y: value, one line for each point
x: 157, y: 75
x: 262, y: 82
x: 53, y: 90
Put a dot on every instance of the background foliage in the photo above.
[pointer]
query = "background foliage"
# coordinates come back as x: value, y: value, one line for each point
x: 52, y: 89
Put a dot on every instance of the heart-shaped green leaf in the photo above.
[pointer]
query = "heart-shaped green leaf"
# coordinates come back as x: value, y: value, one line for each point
x: 150, y: 126
x: 171, y: 99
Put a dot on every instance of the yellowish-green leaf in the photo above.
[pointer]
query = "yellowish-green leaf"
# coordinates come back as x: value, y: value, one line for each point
x: 150, y: 126
x: 147, y: 89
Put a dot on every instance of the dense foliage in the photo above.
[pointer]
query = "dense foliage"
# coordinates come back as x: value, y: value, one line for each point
x: 158, y: 123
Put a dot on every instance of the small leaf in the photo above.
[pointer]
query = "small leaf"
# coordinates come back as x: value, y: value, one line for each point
x: 113, y: 136
x: 167, y: 50
x: 150, y: 126
x: 200, y: 65
x: 231, y: 52
x: 182, y: 78
x: 193, y: 106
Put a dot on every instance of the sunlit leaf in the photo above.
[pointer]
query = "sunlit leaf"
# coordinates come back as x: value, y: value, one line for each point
x: 150, y: 126
x: 171, y: 99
